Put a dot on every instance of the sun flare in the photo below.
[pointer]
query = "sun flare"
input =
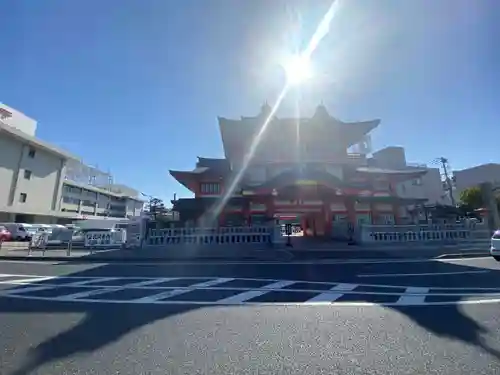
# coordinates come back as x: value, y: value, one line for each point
x: 297, y: 70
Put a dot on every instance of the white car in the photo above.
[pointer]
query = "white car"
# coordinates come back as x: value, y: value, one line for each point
x: 495, y: 245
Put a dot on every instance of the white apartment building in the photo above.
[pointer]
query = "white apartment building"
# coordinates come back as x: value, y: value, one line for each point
x: 86, y: 200
x: 429, y: 186
x: 36, y: 186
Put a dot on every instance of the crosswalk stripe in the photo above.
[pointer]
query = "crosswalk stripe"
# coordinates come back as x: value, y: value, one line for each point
x: 278, y: 284
x: 93, y: 281
x: 151, y: 282
x: 331, y: 297
x: 29, y: 289
x: 245, y: 296
x: 413, y: 296
x: 210, y: 283
x: 177, y: 292
x: 88, y: 293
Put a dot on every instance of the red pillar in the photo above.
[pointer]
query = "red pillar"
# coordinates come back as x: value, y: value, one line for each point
x: 396, y: 213
x: 222, y: 219
x: 374, y: 212
x: 246, y: 212
x: 351, y: 210
x: 327, y: 214
x: 270, y: 211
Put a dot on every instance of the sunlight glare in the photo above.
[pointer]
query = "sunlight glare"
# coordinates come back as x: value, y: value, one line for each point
x: 297, y: 70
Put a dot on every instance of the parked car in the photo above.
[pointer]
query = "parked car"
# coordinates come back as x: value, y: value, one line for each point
x: 17, y: 231
x: 5, y: 235
x: 495, y: 246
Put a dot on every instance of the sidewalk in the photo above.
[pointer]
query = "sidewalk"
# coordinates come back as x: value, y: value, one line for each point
x: 241, y: 254
x: 149, y: 254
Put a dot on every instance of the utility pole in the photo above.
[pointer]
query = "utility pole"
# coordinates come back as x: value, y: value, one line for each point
x: 447, y: 179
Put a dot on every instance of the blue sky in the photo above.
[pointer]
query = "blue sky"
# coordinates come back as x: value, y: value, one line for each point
x: 135, y: 86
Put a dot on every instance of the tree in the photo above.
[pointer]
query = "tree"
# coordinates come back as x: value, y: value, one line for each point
x: 472, y: 198
x: 156, y: 208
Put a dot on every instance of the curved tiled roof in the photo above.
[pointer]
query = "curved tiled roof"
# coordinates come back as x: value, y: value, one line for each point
x: 238, y: 134
x: 293, y: 177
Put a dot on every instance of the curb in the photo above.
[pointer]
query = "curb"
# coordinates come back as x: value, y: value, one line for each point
x: 37, y: 258
x: 471, y: 254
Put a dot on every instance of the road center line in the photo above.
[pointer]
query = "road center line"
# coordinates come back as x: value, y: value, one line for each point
x: 422, y: 274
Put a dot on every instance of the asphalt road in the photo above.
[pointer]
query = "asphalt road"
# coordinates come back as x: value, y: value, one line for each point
x: 381, y: 317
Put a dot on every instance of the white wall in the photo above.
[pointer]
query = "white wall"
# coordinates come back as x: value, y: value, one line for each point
x: 392, y: 157
x: 19, y: 120
x: 134, y: 207
x: 43, y: 188
x: 474, y: 176
x: 429, y: 187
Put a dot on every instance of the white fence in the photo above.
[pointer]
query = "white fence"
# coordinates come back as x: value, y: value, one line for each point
x: 370, y: 234
x: 215, y: 236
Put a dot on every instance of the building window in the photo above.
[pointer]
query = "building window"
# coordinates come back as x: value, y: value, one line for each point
x: 31, y: 152
x: 210, y: 188
x: 23, y: 197
x: 27, y: 174
x: 70, y: 200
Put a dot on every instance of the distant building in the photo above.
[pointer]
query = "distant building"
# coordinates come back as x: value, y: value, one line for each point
x: 17, y: 120
x: 470, y: 177
x: 44, y: 184
x: 427, y: 186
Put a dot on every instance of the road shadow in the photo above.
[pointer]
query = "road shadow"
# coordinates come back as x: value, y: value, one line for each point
x: 106, y: 323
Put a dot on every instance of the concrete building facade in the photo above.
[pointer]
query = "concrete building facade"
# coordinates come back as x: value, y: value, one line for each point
x: 470, y: 177
x: 428, y: 186
x: 35, y: 186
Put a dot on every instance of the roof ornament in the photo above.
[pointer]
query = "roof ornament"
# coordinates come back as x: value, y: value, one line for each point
x: 321, y: 111
x: 266, y: 109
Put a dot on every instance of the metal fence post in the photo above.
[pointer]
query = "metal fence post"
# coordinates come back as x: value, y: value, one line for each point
x: 30, y: 246
x: 70, y: 245
x: 43, y: 242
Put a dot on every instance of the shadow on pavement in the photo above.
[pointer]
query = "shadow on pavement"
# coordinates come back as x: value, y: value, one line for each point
x: 107, y: 323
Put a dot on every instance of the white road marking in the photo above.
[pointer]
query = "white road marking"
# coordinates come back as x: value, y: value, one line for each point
x: 331, y: 297
x: 28, y: 289
x: 413, y: 296
x: 257, y: 263
x: 87, y: 293
x: 214, y: 282
x: 179, y: 291
x: 274, y: 304
x: 32, y: 280
x: 332, y: 283
x: 93, y: 281
x: 245, y: 296
x: 160, y: 280
x: 422, y: 274
x: 279, y: 284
